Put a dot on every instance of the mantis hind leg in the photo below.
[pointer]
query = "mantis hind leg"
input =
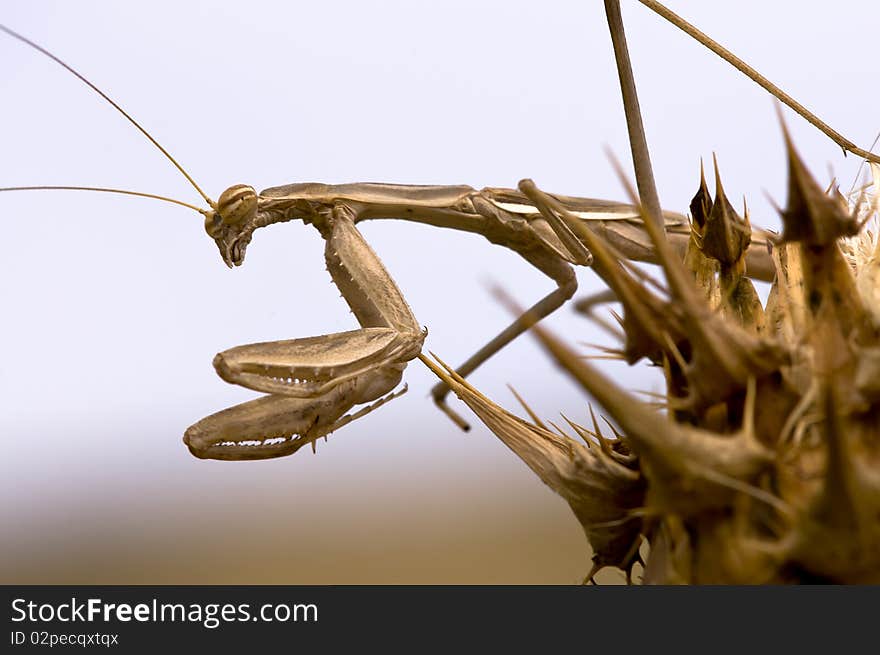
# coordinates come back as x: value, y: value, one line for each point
x: 564, y: 276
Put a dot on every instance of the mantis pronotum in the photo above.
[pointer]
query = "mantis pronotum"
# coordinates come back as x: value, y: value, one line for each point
x: 451, y: 207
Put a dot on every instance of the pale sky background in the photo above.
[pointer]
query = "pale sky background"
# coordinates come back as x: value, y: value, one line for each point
x: 115, y: 306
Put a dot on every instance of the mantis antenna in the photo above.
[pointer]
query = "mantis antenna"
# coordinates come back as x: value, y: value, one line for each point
x: 94, y: 88
x: 125, y: 192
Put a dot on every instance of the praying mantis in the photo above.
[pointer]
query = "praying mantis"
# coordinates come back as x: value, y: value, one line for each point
x: 324, y: 377
x: 311, y: 383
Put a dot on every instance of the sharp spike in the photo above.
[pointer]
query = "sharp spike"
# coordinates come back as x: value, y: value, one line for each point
x: 532, y: 415
x: 701, y: 203
x: 810, y: 215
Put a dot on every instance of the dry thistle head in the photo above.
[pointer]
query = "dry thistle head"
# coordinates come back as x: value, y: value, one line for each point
x: 766, y: 468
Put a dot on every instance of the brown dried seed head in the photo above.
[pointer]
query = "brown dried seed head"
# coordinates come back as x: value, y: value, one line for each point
x: 726, y: 236
x: 811, y: 216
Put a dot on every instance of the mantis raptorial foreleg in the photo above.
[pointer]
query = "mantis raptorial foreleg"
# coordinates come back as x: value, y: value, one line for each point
x: 313, y: 382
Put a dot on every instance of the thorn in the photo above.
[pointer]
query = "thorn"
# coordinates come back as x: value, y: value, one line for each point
x: 535, y: 419
x: 559, y: 430
x: 810, y: 214
x: 599, y: 346
x: 617, y: 434
x: 596, y: 429
x: 579, y: 430
x: 590, y: 578
x: 701, y: 203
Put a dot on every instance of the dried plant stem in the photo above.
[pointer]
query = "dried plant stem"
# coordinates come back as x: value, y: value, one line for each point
x: 648, y: 197
x: 755, y: 76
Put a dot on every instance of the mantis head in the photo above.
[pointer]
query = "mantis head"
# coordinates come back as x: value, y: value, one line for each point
x: 232, y: 221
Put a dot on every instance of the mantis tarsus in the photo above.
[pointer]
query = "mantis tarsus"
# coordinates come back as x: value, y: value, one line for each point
x: 363, y: 366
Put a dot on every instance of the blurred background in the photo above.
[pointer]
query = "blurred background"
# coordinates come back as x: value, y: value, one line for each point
x: 114, y: 307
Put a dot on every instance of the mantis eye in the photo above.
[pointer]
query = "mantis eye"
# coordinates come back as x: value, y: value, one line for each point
x: 237, y: 204
x: 212, y: 224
